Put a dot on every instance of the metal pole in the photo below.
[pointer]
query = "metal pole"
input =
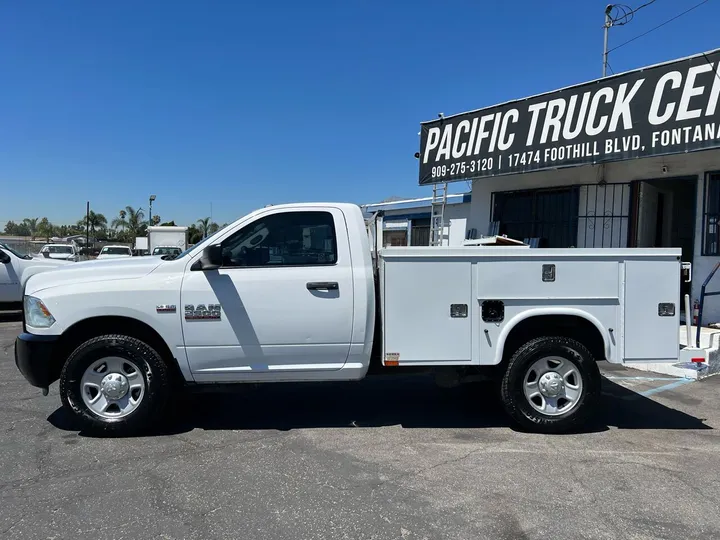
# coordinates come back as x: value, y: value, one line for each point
x: 688, y: 320
x: 150, y: 220
x: 606, y: 29
x: 87, y: 226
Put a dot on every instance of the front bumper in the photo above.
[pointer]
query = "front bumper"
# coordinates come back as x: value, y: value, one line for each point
x: 35, y: 359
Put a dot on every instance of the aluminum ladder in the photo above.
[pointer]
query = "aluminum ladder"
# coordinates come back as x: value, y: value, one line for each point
x: 437, y: 215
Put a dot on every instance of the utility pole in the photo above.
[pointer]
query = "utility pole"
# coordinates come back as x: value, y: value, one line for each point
x: 87, y: 226
x: 150, y: 220
x: 606, y: 30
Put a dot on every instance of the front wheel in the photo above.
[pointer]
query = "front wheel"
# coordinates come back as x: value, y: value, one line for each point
x: 551, y: 385
x: 115, y: 384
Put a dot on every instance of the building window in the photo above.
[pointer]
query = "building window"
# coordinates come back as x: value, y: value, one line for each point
x: 420, y: 232
x: 392, y: 238
x: 711, y: 219
x: 591, y: 215
x: 543, y: 217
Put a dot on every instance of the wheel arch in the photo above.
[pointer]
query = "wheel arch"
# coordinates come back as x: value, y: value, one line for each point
x: 571, y: 323
x: 85, y: 329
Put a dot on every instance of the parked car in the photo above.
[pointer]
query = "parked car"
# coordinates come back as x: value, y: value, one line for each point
x: 62, y: 252
x: 171, y: 251
x: 15, y: 269
x: 115, y: 252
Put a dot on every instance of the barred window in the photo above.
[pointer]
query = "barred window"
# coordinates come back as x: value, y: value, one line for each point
x: 582, y: 215
x: 549, y: 215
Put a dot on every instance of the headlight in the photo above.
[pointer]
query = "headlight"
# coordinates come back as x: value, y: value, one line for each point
x: 36, y: 313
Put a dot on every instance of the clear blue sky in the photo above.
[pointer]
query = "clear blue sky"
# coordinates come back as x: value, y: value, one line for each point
x: 242, y: 104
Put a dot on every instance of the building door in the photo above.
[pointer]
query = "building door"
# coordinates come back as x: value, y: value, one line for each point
x: 649, y: 213
x: 665, y: 217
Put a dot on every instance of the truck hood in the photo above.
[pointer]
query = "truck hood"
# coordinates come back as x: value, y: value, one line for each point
x: 87, y: 271
x: 56, y: 256
x: 48, y: 263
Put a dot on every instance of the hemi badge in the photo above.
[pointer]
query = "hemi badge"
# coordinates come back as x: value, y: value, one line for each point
x: 165, y: 308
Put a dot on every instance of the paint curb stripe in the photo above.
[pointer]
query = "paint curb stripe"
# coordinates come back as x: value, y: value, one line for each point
x: 663, y: 388
x: 612, y: 378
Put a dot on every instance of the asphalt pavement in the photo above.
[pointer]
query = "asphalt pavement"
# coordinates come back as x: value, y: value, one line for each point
x: 386, y: 458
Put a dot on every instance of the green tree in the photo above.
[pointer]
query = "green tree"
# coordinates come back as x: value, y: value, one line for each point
x: 168, y: 224
x: 31, y: 224
x: 98, y: 222
x: 11, y: 228
x: 194, y: 234
x: 131, y: 223
x: 45, y: 229
x: 207, y: 227
x: 156, y: 220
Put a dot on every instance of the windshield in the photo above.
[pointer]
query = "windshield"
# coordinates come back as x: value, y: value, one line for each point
x: 115, y: 251
x: 11, y: 250
x: 166, y: 251
x: 57, y: 249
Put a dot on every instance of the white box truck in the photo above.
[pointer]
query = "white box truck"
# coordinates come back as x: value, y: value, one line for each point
x: 141, y: 244
x: 303, y: 292
x: 167, y: 240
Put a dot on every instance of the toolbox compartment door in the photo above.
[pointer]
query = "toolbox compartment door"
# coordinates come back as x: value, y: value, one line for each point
x: 652, y: 287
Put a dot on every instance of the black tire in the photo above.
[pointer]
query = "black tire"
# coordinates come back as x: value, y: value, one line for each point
x: 153, y: 369
x: 519, y: 407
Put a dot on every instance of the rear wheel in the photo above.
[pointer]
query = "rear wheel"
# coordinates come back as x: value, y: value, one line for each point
x: 115, y: 384
x: 551, y: 385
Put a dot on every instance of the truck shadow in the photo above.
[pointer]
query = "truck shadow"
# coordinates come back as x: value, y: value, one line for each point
x: 410, y: 402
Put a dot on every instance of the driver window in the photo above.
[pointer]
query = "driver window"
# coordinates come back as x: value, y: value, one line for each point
x: 285, y: 239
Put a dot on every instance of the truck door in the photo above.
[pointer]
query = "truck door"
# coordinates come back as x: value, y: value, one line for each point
x: 282, y: 300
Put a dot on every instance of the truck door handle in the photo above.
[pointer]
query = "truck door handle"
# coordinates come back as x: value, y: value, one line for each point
x: 324, y: 285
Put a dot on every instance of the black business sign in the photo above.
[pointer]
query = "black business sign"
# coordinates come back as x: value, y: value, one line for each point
x: 665, y: 109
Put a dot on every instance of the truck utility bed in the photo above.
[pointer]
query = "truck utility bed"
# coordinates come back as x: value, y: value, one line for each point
x: 455, y: 305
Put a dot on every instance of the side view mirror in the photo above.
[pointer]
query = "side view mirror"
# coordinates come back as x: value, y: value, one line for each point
x: 211, y: 258
x: 4, y: 257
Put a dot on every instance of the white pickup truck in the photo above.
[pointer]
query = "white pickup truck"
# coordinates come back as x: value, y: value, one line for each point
x: 302, y: 293
x: 15, y: 269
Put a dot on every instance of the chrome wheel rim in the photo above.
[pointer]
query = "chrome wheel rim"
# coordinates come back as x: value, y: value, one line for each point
x: 553, y: 385
x: 112, y: 387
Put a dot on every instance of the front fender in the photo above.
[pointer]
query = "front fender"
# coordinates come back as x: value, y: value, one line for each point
x: 30, y: 271
x: 539, y: 312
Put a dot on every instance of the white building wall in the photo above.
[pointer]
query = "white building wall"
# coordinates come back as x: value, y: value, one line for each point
x: 691, y: 164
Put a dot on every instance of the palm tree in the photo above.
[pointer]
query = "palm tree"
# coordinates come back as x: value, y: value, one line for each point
x: 96, y: 222
x: 130, y: 220
x: 31, y: 224
x: 207, y: 227
x: 121, y: 221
